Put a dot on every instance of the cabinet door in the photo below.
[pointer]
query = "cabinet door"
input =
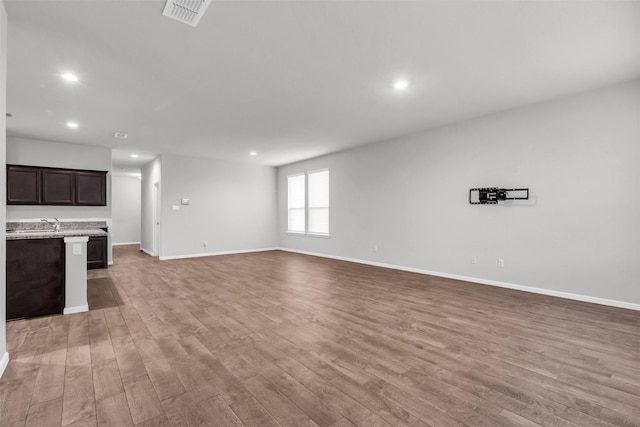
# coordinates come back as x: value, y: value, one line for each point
x: 35, y: 277
x: 23, y: 185
x: 57, y: 187
x: 97, y: 252
x: 91, y: 188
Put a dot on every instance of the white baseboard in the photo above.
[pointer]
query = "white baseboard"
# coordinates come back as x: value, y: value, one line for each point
x: 76, y: 309
x: 4, y: 362
x: 163, y: 258
x: 146, y: 251
x: 559, y: 294
x: 125, y: 243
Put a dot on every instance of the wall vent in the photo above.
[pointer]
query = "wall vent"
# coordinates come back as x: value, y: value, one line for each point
x: 186, y: 11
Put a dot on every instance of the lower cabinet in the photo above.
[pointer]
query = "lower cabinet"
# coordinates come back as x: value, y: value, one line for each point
x: 35, y: 277
x: 97, y: 252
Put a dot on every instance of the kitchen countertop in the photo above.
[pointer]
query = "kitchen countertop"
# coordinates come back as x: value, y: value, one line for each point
x: 50, y: 234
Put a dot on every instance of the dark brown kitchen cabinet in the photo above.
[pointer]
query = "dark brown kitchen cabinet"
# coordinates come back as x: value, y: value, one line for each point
x: 23, y: 185
x: 57, y: 187
x: 91, y: 188
x: 97, y: 252
x: 35, y: 277
x: 33, y: 185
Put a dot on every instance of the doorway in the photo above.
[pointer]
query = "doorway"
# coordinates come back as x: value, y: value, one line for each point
x: 156, y: 218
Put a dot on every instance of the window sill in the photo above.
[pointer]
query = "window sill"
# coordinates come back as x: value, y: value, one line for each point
x: 321, y: 236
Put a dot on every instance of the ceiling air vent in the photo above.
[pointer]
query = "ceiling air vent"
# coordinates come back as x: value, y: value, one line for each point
x: 186, y: 11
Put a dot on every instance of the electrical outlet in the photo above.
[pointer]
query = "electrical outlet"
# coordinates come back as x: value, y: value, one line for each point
x: 375, y: 248
x: 474, y: 259
x: 204, y: 243
x: 500, y: 262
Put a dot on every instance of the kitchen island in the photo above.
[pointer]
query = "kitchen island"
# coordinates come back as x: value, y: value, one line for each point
x: 47, y: 268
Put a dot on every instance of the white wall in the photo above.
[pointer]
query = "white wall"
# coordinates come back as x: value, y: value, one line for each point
x: 21, y: 151
x: 233, y: 206
x: 4, y: 356
x: 151, y: 174
x: 580, y: 233
x: 125, y: 209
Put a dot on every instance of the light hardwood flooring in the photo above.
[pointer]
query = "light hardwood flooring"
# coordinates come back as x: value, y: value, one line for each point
x: 275, y: 338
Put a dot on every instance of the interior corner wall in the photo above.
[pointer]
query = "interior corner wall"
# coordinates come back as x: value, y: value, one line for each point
x: 22, y: 151
x: 232, y: 207
x: 125, y: 209
x: 151, y: 175
x: 405, y: 203
x: 4, y: 356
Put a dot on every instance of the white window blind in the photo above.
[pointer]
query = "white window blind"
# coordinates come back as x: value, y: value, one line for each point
x: 297, y: 203
x: 319, y: 202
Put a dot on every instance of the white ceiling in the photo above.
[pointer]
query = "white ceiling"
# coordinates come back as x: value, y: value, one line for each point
x: 297, y: 79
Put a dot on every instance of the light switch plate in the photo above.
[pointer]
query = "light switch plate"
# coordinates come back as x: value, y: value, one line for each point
x: 176, y: 207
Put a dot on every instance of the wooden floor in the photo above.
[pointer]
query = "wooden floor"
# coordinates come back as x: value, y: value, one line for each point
x: 275, y: 338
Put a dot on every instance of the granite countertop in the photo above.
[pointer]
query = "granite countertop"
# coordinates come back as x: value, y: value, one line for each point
x: 50, y: 234
x: 25, y: 229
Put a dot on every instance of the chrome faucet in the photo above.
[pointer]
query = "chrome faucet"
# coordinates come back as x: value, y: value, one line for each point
x: 56, y: 224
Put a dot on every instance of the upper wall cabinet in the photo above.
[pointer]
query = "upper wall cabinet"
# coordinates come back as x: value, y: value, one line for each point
x: 57, y: 187
x: 32, y: 185
x: 23, y: 185
x: 91, y: 188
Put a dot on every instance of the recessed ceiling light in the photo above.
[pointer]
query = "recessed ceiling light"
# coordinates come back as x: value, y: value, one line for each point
x: 70, y: 77
x: 72, y: 125
x: 134, y: 155
x: 253, y: 153
x: 401, y: 84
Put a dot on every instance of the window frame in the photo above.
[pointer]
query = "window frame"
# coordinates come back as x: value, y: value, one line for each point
x: 308, y: 207
x: 304, y: 207
x: 306, y: 231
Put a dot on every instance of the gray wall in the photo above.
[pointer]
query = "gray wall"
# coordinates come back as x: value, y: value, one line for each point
x: 151, y: 174
x: 233, y: 206
x: 125, y: 210
x: 23, y: 151
x: 579, y: 234
x: 3, y: 127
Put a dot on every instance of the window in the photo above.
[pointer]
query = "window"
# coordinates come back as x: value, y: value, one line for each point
x: 297, y: 203
x: 308, y: 203
x: 319, y: 202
